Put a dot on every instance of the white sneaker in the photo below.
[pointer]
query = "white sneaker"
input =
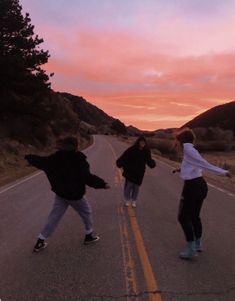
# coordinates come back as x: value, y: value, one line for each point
x: 134, y: 204
x: 127, y: 203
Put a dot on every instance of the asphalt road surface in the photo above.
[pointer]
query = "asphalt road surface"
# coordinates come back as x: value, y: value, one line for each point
x: 137, y: 256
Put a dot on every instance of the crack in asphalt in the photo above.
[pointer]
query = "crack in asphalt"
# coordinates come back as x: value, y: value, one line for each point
x: 162, y: 292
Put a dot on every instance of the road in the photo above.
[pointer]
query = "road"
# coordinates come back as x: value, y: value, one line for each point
x: 137, y: 256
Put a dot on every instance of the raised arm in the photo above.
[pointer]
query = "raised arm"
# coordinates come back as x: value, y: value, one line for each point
x: 193, y: 157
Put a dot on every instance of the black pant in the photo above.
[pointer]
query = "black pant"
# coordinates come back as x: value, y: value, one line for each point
x: 193, y: 194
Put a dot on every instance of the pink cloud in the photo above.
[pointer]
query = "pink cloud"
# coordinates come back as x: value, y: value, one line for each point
x: 128, y: 75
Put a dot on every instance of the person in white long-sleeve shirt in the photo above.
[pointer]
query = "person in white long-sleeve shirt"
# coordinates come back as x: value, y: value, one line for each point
x: 194, y: 191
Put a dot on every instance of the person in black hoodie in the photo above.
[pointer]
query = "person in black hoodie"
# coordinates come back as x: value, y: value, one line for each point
x: 133, y: 162
x: 68, y: 173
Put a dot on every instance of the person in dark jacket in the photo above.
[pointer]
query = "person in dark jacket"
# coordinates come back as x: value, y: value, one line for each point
x: 68, y: 173
x: 133, y: 162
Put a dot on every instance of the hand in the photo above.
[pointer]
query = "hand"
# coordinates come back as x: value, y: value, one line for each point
x: 228, y: 174
x: 106, y: 186
x: 176, y: 170
x: 26, y: 157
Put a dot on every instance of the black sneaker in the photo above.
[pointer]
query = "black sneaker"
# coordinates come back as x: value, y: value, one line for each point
x: 89, y: 239
x: 40, y: 245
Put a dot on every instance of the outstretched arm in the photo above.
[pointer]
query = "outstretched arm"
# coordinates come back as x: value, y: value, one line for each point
x: 96, y: 182
x: 37, y: 161
x: 93, y: 180
x: 194, y: 158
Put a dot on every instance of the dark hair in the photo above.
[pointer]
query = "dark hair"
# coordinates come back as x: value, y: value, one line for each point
x: 141, y: 138
x: 186, y: 135
x: 69, y: 143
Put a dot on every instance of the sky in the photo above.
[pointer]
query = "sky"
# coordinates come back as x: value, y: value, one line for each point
x: 150, y: 63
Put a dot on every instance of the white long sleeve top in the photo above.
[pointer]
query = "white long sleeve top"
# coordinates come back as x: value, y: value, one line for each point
x: 193, y: 164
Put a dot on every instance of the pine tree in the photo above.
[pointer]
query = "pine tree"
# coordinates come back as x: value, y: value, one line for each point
x: 20, y: 55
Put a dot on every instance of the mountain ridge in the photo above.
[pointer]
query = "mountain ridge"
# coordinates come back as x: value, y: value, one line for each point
x: 93, y: 115
x: 221, y: 116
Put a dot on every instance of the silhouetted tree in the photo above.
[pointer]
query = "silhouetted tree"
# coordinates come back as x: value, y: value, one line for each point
x: 20, y: 55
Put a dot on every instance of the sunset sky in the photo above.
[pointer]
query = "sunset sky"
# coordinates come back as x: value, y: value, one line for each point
x: 151, y: 63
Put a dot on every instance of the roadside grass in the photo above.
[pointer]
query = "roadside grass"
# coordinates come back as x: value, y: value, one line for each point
x: 224, y: 160
x: 12, y: 163
x: 219, y: 160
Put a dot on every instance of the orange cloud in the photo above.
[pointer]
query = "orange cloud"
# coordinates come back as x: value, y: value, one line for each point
x: 131, y: 77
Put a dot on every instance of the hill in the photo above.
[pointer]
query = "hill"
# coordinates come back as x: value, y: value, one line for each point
x: 92, y: 115
x: 33, y: 123
x: 221, y: 116
x: 133, y: 131
x: 38, y: 119
x: 32, y: 116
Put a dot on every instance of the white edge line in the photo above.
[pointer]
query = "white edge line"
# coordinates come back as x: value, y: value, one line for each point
x: 90, y: 146
x: 216, y: 187
x: 33, y: 176
x: 20, y: 182
x: 222, y: 190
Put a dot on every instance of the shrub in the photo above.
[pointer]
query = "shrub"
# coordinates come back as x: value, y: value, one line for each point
x: 166, y: 147
x: 213, y: 146
x: 214, y: 134
x: 12, y: 148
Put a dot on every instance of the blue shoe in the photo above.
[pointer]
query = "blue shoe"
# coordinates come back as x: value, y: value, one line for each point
x: 190, y: 252
x: 198, y: 245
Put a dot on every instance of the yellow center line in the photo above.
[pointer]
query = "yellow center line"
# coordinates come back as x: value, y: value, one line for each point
x: 146, y: 266
x: 130, y: 277
x: 142, y: 252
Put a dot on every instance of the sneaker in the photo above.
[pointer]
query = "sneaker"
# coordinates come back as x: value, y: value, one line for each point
x: 40, y: 245
x: 190, y: 252
x: 127, y: 203
x: 134, y: 204
x: 198, y: 245
x: 89, y: 239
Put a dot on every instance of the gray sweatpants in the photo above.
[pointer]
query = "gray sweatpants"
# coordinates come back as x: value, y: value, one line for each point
x: 60, y: 206
x: 131, y: 191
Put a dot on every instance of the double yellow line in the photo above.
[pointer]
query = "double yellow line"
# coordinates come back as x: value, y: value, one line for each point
x: 128, y: 262
x: 145, y: 263
x: 131, y: 281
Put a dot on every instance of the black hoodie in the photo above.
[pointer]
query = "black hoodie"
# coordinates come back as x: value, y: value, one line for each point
x: 133, y: 162
x: 68, y: 173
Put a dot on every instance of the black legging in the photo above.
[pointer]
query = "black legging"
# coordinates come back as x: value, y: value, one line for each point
x: 193, y: 194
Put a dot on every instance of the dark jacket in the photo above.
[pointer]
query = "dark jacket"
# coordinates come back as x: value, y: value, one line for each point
x: 133, y: 162
x: 68, y: 173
